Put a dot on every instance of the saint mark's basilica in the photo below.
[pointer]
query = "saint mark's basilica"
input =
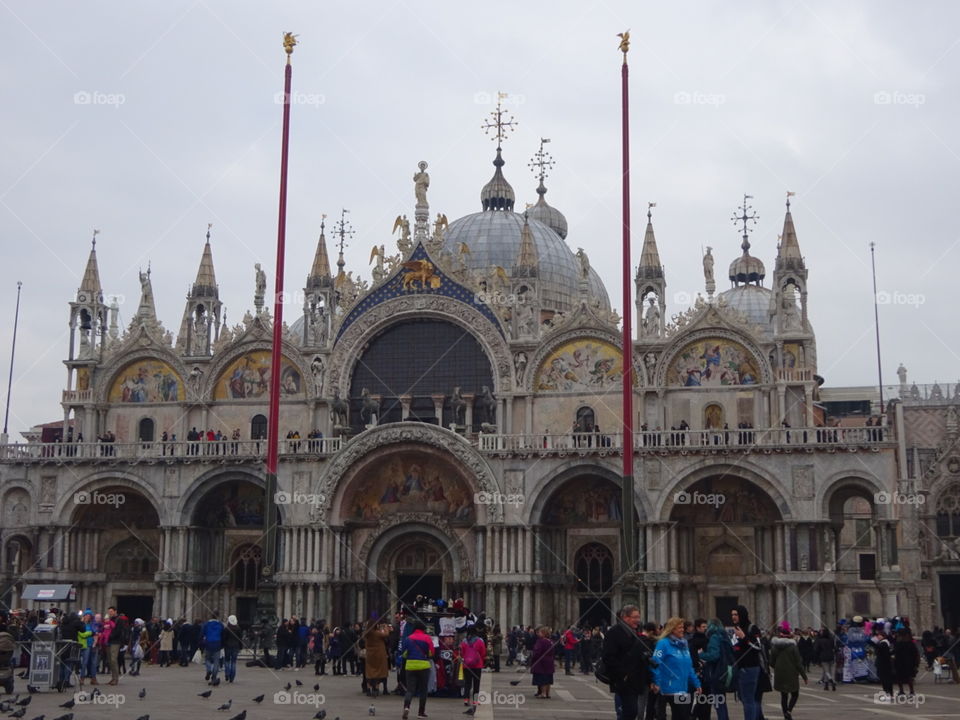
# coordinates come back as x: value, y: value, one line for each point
x: 491, y: 472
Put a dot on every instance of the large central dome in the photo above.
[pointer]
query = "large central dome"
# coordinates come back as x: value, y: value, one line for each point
x: 493, y: 237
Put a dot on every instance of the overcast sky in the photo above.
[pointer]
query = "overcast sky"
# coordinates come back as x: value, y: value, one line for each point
x: 149, y: 120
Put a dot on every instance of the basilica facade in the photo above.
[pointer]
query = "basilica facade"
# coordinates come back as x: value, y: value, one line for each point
x: 451, y: 427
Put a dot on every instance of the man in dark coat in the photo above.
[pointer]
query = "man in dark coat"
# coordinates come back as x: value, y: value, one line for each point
x: 626, y: 659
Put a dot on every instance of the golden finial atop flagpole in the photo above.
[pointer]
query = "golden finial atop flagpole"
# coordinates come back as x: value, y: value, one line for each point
x: 624, y: 44
x: 289, y: 42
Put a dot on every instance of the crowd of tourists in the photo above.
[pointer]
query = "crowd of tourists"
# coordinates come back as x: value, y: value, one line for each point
x: 691, y: 668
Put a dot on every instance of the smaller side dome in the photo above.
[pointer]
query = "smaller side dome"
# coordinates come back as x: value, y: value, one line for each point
x: 549, y: 216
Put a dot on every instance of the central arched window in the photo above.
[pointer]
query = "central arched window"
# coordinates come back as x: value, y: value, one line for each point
x: 594, y: 567
x: 419, y: 358
x: 258, y: 427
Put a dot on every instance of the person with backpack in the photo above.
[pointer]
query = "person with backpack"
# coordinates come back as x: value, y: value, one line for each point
x: 213, y: 642
x: 417, y: 653
x: 673, y: 675
x: 625, y: 665
x: 473, y: 654
x: 718, y: 670
x: 748, y: 654
x: 787, y: 669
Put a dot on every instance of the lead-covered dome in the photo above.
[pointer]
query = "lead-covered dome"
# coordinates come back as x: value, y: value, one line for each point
x: 493, y: 238
x: 751, y: 300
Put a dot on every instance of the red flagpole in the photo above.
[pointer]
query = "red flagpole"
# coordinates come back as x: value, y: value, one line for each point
x: 267, y: 600
x: 629, y: 533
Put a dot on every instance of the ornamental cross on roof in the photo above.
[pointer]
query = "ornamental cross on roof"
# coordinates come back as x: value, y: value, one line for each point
x: 342, y: 229
x: 502, y: 122
x: 541, y: 161
x: 746, y: 215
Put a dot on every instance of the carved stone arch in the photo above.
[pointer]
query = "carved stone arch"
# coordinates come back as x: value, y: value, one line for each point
x: 395, y: 526
x: 679, y: 342
x: 542, y: 492
x: 350, y: 344
x: 847, y: 483
x: 221, y: 361
x: 742, y: 470
x: 556, y: 341
x: 66, y: 504
x: 105, y: 376
x: 191, y: 497
x: 409, y: 434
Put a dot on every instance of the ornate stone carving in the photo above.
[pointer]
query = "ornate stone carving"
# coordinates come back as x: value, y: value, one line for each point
x: 393, y: 434
x: 422, y: 518
x: 803, y: 481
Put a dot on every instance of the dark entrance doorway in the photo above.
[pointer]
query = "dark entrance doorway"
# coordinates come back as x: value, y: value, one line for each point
x: 135, y: 606
x: 950, y: 599
x: 595, y: 612
x: 246, y: 611
x: 723, y: 604
x: 411, y: 585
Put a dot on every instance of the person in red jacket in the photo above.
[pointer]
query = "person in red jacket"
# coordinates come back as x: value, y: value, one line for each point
x: 473, y: 653
x: 570, y: 641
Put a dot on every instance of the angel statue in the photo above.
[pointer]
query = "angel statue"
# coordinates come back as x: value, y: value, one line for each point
x: 403, y: 242
x: 584, y: 263
x: 439, y: 225
x: 378, y: 271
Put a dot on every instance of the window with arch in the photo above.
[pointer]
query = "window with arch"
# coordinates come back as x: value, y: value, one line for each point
x: 145, y: 429
x: 585, y: 420
x: 131, y: 558
x: 246, y: 568
x: 258, y: 427
x: 594, y: 568
x: 948, y: 512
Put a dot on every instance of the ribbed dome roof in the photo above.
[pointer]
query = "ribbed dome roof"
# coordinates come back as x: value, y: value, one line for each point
x: 753, y: 301
x: 497, y: 194
x: 494, y: 240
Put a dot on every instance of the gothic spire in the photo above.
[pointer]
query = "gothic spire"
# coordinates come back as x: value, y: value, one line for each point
x: 321, y: 262
x: 91, y: 275
x: 788, y: 254
x: 206, y: 282
x: 650, y: 257
x: 527, y: 260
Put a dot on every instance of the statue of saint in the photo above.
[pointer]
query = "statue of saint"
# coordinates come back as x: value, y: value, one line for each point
x: 520, y: 365
x: 708, y: 267
x: 196, y: 377
x: 261, y: 288
x: 902, y: 374
x: 709, y: 282
x: 317, y: 368
x: 421, y: 182
x: 651, y: 319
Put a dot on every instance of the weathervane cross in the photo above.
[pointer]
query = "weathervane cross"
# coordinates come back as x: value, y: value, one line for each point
x: 541, y: 161
x: 746, y: 215
x: 502, y: 122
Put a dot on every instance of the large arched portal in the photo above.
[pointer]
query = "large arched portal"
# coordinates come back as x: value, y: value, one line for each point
x: 724, y: 538
x: 117, y: 528
x: 578, y: 540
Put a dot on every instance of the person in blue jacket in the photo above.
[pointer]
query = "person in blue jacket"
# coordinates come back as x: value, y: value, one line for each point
x: 213, y: 643
x: 674, y: 676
